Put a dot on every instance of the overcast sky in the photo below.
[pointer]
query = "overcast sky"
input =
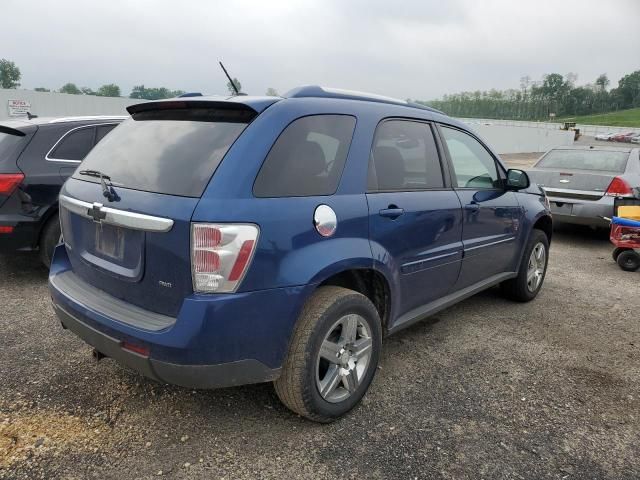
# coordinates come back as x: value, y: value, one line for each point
x: 418, y: 49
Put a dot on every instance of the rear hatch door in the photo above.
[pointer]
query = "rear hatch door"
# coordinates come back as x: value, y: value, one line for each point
x: 126, y: 211
x: 14, y: 137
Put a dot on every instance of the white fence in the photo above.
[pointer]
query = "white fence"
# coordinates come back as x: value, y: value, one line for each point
x: 53, y: 104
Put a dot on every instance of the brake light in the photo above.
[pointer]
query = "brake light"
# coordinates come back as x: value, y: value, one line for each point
x: 619, y: 188
x: 221, y: 255
x: 9, y: 182
x: 6, y: 229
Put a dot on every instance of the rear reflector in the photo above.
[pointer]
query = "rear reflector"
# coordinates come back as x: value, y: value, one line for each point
x: 619, y: 188
x: 6, y: 229
x: 221, y: 255
x: 9, y: 182
x: 139, y: 349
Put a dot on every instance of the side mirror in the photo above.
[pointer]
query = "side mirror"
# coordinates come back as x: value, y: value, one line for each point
x: 517, y: 179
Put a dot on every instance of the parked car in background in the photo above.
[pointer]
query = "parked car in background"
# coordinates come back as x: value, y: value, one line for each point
x: 635, y: 139
x: 605, y: 136
x: 36, y: 157
x: 582, y: 182
x: 350, y: 216
x: 623, y: 137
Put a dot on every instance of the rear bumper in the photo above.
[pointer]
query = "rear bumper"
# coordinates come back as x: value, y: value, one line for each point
x: 582, y: 212
x: 229, y: 374
x: 216, y: 340
x: 25, y: 235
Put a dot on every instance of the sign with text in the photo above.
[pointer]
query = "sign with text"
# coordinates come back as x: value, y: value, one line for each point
x: 18, y: 108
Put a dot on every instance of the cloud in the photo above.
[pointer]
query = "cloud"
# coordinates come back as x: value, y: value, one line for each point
x: 411, y: 48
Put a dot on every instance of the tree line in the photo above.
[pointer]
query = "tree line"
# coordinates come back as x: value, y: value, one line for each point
x: 554, y: 95
x: 10, y: 78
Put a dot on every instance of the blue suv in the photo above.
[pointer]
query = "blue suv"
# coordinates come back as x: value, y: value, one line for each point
x: 211, y: 242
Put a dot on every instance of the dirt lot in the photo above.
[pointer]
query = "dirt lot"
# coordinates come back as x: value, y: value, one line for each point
x: 486, y: 389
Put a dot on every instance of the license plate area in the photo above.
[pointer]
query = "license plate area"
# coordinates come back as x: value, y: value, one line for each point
x: 109, y: 241
x: 561, y: 208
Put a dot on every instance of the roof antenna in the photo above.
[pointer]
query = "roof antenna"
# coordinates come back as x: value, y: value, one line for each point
x: 233, y: 84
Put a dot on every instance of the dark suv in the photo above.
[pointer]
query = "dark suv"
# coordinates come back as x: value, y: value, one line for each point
x: 211, y: 242
x: 36, y: 157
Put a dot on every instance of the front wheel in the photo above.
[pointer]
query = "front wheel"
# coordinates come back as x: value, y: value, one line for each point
x: 333, y: 355
x: 527, y: 284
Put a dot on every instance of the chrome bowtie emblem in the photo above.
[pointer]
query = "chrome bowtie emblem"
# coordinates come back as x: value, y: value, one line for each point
x: 96, y: 212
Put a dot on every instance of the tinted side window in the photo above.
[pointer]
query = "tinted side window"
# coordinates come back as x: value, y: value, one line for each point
x: 307, y: 158
x: 75, y: 145
x: 404, y: 157
x: 102, y: 130
x: 473, y: 164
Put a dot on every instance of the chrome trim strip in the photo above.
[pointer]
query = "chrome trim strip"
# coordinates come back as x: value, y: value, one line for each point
x: 62, y: 160
x: 119, y: 218
x: 430, y: 259
x: 510, y: 239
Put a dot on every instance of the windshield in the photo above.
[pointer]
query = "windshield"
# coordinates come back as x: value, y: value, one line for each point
x: 600, y: 160
x: 173, y: 154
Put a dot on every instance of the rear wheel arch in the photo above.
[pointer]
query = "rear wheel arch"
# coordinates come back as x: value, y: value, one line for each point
x: 369, y: 282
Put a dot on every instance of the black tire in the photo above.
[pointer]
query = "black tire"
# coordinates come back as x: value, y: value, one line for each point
x: 297, y: 387
x: 629, y: 261
x: 617, y: 251
x: 518, y: 288
x: 49, y: 238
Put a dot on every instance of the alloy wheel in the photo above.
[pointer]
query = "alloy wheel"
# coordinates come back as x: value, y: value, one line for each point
x: 344, y: 358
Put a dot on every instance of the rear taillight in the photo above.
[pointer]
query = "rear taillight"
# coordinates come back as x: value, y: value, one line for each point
x: 619, y: 188
x: 220, y: 255
x: 9, y: 182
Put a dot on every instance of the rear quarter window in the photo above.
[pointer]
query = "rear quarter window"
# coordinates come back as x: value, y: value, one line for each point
x: 307, y: 159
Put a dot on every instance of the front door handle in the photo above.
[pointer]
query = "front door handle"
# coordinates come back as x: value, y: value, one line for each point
x: 472, y: 207
x: 392, y: 212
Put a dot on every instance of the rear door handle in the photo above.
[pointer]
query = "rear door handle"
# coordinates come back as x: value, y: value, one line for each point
x: 392, y: 212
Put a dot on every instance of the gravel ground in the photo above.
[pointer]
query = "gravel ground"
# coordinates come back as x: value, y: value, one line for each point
x: 486, y: 389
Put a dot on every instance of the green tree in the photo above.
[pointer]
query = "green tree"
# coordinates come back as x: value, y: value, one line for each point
x: 70, y: 88
x: 41, y: 89
x: 9, y: 74
x: 153, y: 93
x: 238, y: 85
x: 109, y: 90
x: 272, y: 92
x: 602, y: 82
x: 87, y: 91
x: 629, y: 89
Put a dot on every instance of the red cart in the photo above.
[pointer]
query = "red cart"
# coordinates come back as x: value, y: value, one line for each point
x: 625, y: 235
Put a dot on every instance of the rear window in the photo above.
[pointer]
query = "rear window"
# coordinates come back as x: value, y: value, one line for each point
x: 307, y: 158
x: 10, y: 147
x: 174, y: 152
x: 600, y: 160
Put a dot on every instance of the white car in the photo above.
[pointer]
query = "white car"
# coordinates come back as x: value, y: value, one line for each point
x: 635, y: 139
x: 605, y: 136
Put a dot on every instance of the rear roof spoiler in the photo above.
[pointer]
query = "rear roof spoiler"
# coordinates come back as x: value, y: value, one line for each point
x: 11, y: 131
x: 242, y: 103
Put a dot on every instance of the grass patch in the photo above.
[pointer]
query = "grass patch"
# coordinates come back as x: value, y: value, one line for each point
x: 621, y: 118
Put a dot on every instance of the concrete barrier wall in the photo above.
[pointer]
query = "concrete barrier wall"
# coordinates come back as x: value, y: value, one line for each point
x: 589, y: 130
x: 53, y: 104
x: 513, y: 138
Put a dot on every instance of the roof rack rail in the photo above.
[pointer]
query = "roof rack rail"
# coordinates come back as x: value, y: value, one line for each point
x: 81, y: 118
x: 316, y: 91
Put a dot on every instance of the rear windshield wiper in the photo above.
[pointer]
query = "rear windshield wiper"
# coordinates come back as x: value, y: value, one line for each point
x: 107, y: 189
